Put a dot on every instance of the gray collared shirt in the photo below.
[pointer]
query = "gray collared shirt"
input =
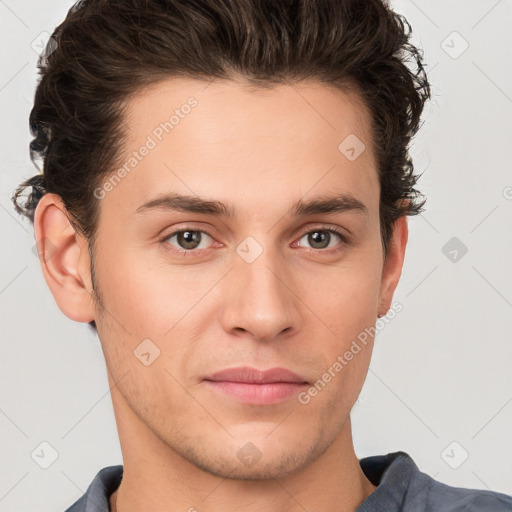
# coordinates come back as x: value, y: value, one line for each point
x: 401, y: 486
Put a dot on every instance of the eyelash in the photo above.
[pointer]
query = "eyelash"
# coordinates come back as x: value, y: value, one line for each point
x: 171, y: 249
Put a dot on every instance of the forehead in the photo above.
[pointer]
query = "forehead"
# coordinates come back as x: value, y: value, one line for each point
x: 227, y: 138
x: 227, y: 109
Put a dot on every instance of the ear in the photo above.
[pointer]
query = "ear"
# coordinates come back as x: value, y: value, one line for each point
x: 392, y: 267
x: 64, y: 257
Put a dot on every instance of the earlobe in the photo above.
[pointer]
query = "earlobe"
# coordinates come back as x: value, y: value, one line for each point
x: 393, y: 263
x: 64, y: 258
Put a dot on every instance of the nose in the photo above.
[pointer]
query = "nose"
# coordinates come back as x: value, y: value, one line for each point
x: 260, y: 298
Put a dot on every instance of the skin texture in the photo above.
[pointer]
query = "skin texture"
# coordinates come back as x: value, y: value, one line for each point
x: 295, y: 306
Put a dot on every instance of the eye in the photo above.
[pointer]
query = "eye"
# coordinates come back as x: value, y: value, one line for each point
x: 321, y: 238
x: 186, y: 240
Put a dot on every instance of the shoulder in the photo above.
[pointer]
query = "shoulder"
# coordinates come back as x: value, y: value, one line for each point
x: 96, y: 498
x: 401, y: 486
x: 461, y: 499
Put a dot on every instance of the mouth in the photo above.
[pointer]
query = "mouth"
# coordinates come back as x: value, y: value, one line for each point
x: 257, y: 387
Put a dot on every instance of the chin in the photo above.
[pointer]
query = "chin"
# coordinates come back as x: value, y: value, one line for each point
x: 248, y: 462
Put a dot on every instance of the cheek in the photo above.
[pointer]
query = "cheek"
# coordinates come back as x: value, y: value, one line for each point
x: 345, y: 298
x: 148, y: 298
x: 349, y: 309
x: 152, y: 301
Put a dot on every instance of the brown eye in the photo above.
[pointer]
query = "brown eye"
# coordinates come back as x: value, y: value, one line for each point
x: 321, y: 238
x: 187, y: 240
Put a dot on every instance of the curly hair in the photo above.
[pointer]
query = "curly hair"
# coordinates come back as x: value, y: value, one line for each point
x: 105, y: 51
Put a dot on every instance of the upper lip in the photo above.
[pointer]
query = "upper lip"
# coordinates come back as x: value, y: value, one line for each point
x: 254, y: 376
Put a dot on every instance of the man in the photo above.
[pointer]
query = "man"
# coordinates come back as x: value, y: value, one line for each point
x: 224, y: 199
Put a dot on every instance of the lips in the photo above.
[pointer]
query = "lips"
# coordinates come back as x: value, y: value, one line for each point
x: 249, y: 375
x: 257, y: 387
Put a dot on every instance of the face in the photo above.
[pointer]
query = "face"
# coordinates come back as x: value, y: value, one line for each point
x: 261, y: 276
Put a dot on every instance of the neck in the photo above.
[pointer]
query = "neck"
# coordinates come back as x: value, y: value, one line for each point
x: 156, y: 477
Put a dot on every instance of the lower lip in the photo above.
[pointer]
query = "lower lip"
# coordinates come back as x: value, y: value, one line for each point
x: 258, y: 394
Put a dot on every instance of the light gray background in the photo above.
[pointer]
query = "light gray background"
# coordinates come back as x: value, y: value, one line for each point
x: 441, y: 370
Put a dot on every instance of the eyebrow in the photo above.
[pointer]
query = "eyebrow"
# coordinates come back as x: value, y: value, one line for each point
x: 194, y: 204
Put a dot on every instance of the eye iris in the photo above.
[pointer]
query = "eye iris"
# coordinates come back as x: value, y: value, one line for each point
x: 319, y: 237
x: 189, y: 239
